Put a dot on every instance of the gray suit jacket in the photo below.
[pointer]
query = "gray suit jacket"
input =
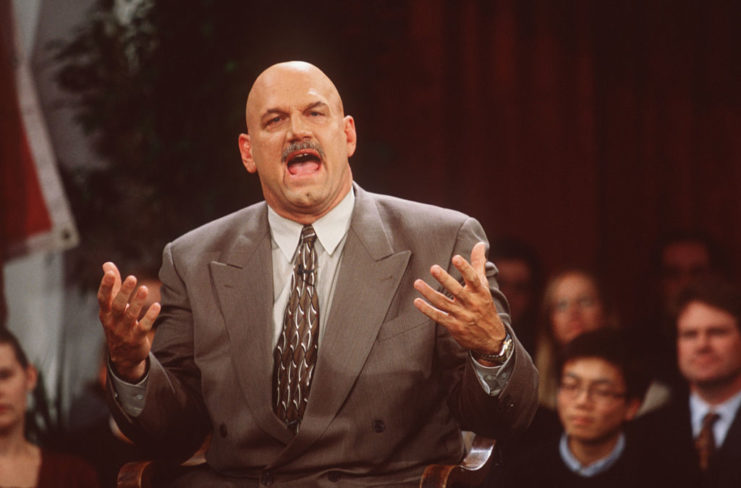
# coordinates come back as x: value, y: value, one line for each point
x: 391, y: 388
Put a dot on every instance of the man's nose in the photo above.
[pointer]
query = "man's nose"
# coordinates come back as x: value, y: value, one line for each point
x: 703, y: 341
x: 583, y: 397
x: 298, y: 128
x: 573, y: 310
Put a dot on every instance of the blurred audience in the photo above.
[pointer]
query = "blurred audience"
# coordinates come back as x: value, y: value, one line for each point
x: 573, y: 303
x: 701, y: 429
x: 679, y: 259
x: 601, y: 386
x: 23, y: 464
x: 521, y: 280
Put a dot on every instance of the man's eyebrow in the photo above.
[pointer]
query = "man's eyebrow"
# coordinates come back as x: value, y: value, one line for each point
x: 318, y: 103
x: 595, y: 381
x: 273, y: 111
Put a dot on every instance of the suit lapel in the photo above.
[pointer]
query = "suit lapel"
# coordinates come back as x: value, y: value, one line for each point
x: 244, y: 285
x: 731, y: 448
x: 369, y: 276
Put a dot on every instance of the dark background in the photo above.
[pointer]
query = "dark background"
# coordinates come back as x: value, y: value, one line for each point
x: 586, y: 128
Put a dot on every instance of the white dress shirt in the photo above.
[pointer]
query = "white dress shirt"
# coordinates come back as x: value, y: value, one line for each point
x: 597, y: 467
x: 331, y: 233
x: 726, y: 413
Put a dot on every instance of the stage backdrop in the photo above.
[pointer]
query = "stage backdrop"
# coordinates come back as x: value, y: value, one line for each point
x: 585, y: 128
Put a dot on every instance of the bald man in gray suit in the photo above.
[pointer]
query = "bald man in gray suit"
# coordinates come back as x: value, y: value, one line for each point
x: 402, y: 363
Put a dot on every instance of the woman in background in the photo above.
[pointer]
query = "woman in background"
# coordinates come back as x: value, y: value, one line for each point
x: 23, y: 464
x: 573, y: 303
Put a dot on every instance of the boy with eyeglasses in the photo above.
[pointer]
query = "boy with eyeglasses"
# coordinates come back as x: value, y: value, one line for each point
x: 601, y: 389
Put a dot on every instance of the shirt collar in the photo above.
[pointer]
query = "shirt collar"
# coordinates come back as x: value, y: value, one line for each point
x: 595, y: 468
x: 699, y: 408
x: 330, y: 229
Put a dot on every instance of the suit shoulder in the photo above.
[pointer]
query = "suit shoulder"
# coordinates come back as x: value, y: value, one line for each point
x: 416, y: 213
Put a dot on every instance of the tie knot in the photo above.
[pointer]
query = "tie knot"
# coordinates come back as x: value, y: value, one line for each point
x: 308, y: 235
x: 709, y: 419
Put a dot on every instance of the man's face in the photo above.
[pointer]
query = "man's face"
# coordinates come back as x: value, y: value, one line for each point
x: 591, y: 401
x: 708, y: 346
x: 682, y: 263
x: 299, y: 141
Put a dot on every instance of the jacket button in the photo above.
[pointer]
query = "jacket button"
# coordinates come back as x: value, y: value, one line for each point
x: 266, y: 478
x: 334, y: 476
x: 378, y: 426
x: 222, y: 430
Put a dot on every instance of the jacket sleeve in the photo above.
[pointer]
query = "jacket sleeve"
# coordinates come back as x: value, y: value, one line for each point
x: 512, y: 410
x: 174, y: 421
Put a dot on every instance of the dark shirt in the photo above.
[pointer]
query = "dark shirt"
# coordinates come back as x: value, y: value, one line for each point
x: 60, y: 470
x: 543, y: 467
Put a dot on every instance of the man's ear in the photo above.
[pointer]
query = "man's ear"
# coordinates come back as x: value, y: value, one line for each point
x: 245, y: 149
x: 350, y: 135
x: 634, y: 404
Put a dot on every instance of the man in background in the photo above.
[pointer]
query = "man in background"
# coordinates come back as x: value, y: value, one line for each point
x: 701, y: 429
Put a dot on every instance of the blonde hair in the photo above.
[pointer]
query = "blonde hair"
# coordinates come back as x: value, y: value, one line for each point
x: 546, y: 348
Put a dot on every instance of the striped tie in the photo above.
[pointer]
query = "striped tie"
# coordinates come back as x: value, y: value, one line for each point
x: 705, y: 441
x: 295, y: 353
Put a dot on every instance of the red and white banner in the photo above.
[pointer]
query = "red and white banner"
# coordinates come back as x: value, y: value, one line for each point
x: 34, y: 213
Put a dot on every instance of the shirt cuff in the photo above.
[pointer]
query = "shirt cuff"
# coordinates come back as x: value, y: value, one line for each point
x: 129, y: 395
x: 494, y: 378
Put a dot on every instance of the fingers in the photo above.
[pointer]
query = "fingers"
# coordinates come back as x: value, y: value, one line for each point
x: 478, y: 261
x: 121, y: 299
x: 433, y: 313
x: 435, y: 298
x: 109, y: 285
x: 453, y: 286
x: 150, y: 316
x: 474, y: 274
x: 122, y: 303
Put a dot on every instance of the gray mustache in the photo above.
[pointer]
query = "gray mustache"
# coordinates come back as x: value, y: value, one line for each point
x: 298, y: 146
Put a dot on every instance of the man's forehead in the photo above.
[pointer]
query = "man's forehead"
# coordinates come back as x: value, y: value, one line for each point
x: 698, y: 311
x: 293, y: 82
x: 593, y: 369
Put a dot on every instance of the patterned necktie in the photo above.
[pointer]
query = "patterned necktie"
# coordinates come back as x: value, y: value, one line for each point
x: 295, y: 353
x: 705, y: 441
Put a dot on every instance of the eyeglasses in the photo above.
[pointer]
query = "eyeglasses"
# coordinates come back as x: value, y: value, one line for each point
x: 582, y: 302
x: 596, y: 393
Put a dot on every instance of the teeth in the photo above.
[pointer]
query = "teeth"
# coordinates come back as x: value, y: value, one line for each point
x: 300, y: 158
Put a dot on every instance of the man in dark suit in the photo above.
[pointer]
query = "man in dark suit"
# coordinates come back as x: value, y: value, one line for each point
x: 701, y: 430
x: 292, y: 330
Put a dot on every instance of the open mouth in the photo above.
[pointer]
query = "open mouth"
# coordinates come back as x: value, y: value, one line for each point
x: 303, y: 162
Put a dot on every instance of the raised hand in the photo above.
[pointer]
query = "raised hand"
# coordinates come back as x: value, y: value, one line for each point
x: 470, y: 315
x: 127, y: 331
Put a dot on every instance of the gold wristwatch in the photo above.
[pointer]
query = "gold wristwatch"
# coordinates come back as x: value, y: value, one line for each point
x: 496, y: 358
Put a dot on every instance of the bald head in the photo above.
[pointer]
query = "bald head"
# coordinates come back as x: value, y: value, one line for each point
x: 298, y: 141
x: 289, y: 75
